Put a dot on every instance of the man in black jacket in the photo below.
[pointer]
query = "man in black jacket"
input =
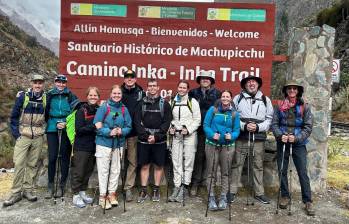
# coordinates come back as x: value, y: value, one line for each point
x: 206, y: 94
x: 132, y: 94
x: 152, y: 123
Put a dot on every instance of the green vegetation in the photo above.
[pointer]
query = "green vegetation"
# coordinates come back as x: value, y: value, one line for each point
x: 6, y: 151
x: 338, y: 164
x: 334, y: 15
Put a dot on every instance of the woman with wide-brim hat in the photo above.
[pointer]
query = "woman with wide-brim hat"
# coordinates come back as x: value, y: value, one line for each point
x: 292, y: 125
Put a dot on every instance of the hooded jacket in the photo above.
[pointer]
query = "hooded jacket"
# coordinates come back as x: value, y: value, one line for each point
x: 112, y: 119
x: 131, y: 98
x: 28, y: 121
x: 59, y: 105
x: 151, y: 120
x: 85, y: 137
x: 301, y: 124
x: 253, y: 109
x: 205, y: 100
x: 183, y: 116
x: 221, y: 121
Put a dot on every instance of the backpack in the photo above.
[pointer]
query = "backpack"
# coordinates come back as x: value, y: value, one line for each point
x: 109, y: 109
x: 189, y: 104
x: 70, y: 124
x: 264, y: 99
x: 27, y: 100
x: 161, y: 106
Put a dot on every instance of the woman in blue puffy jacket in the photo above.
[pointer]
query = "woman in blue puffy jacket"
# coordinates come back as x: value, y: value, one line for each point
x: 222, y: 127
x: 113, y: 123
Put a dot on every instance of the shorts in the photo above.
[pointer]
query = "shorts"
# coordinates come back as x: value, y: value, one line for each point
x: 151, y: 153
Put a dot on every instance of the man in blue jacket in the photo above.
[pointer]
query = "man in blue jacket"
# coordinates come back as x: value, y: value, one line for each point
x: 28, y: 128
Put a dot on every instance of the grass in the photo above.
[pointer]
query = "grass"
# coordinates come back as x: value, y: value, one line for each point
x: 338, y: 164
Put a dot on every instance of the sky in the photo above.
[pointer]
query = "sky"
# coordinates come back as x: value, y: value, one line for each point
x: 45, y: 14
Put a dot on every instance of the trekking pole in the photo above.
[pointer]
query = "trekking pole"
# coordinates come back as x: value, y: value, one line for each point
x: 290, y: 190
x: 183, y: 168
x: 229, y: 175
x: 209, y: 188
x: 252, y: 173
x: 280, y: 175
x: 123, y: 164
x: 58, y: 168
x: 169, y: 165
x: 248, y: 165
x: 110, y: 161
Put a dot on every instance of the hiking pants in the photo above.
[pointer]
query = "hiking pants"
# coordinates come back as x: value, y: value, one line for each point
x: 65, y: 152
x: 183, y: 147
x: 299, y: 157
x: 200, y: 172
x: 223, y: 157
x: 103, y: 157
x: 82, y: 166
x: 26, y: 155
x: 132, y: 162
x: 256, y: 168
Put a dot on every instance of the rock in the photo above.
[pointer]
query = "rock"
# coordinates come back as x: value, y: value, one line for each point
x: 329, y: 29
x: 346, y: 187
x: 347, y: 203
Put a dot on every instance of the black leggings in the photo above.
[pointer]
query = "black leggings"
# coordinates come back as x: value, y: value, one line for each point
x: 65, y: 151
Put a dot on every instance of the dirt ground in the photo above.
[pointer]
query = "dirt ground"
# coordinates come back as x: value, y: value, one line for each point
x: 329, y: 209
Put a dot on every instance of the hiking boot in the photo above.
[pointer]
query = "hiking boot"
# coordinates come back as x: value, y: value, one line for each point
x: 14, y: 198
x: 113, y: 198
x: 104, y: 202
x: 129, y: 195
x: 142, y: 196
x: 309, y: 209
x: 29, y: 196
x: 284, y: 201
x: 87, y: 199
x: 223, y: 202
x: 263, y: 199
x: 231, y: 197
x: 174, y: 194
x: 156, y: 195
x: 183, y: 192
x: 194, y: 191
x: 49, y: 193
x: 78, y: 201
x: 212, y: 206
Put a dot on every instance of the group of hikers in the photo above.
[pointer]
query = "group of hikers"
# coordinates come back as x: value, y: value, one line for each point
x: 198, y: 130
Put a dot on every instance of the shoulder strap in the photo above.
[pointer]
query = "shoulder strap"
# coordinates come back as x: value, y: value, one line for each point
x: 123, y: 110
x: 240, y: 98
x: 144, y: 107
x: 26, y: 100
x: 264, y: 99
x: 161, y: 105
x: 107, y: 112
x: 189, y: 104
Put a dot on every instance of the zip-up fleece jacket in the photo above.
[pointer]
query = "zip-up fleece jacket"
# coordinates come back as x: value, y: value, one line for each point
x: 131, y: 98
x: 152, y: 120
x: 182, y: 116
x: 253, y: 109
x: 85, y: 138
x: 205, y: 100
x: 302, y: 123
x: 222, y: 122
x: 28, y: 121
x: 59, y: 105
x: 114, y: 118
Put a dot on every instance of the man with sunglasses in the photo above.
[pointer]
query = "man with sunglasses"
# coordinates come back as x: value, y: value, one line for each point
x: 256, y: 113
